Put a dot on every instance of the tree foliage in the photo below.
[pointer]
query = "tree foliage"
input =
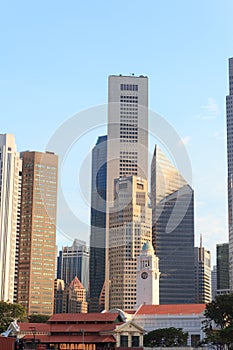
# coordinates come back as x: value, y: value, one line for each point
x: 218, y: 325
x: 38, y: 318
x: 166, y: 337
x: 10, y: 312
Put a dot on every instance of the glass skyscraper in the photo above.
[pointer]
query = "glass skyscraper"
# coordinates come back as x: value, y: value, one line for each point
x: 172, y: 231
x: 98, y: 223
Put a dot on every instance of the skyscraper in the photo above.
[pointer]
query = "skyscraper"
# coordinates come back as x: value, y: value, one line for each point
x: 37, y: 238
x: 74, y: 263
x: 229, y: 111
x: 202, y: 275
x: 98, y: 223
x: 222, y: 251
x: 172, y: 231
x: 10, y: 173
x: 127, y: 152
x: 129, y: 229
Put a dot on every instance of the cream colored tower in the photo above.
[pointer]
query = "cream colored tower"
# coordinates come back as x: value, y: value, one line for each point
x: 147, y: 276
x: 127, y: 152
x: 10, y: 167
x: 129, y: 229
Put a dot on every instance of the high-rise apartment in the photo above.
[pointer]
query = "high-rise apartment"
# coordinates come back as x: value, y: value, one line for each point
x: 222, y: 255
x: 127, y: 152
x: 98, y: 223
x: 129, y: 229
x: 229, y: 112
x: 172, y: 231
x: 10, y: 173
x: 37, y: 238
x: 202, y: 258
x: 74, y: 262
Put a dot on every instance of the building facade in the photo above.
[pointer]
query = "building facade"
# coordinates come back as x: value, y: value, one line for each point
x: 172, y: 231
x: 214, y: 281
x: 229, y: 117
x: 98, y: 223
x: 129, y: 229
x: 10, y: 183
x: 37, y: 236
x: 222, y: 255
x: 148, y: 275
x: 127, y: 152
x: 74, y: 261
x: 202, y: 275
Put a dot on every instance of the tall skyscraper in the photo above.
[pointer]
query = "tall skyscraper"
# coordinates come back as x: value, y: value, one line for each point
x: 202, y: 275
x: 214, y: 281
x: 74, y: 262
x: 222, y: 254
x: 10, y: 173
x: 37, y: 238
x: 98, y: 223
x: 229, y: 111
x: 127, y: 152
x: 172, y: 231
x: 129, y: 229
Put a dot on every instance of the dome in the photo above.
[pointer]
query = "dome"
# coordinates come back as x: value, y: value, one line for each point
x: 147, y: 247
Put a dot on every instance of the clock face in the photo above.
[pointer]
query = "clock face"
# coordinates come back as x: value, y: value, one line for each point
x: 144, y: 275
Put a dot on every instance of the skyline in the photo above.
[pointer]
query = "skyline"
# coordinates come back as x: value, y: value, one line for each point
x: 49, y: 73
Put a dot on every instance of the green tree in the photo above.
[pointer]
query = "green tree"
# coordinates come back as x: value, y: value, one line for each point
x: 218, y: 325
x: 38, y: 318
x: 10, y: 312
x: 166, y: 337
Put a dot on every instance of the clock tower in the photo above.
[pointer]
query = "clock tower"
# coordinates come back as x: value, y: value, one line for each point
x: 147, y: 276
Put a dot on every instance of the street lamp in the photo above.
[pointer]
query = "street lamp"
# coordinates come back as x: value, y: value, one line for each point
x: 83, y: 330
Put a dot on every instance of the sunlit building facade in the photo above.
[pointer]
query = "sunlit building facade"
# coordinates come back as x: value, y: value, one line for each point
x: 37, y: 236
x: 129, y: 229
x: 10, y: 183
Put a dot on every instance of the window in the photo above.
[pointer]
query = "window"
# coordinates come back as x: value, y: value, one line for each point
x: 135, y: 341
x: 124, y: 341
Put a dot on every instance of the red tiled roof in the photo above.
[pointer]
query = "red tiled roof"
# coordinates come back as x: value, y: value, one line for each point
x: 99, y: 327
x: 39, y: 327
x: 73, y: 339
x: 179, y: 309
x: 90, y: 317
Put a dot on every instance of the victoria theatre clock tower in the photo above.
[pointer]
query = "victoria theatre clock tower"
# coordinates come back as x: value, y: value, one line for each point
x: 147, y: 276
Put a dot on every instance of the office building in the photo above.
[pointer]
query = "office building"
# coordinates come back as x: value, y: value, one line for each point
x: 129, y: 229
x: 172, y: 231
x: 74, y: 262
x: 98, y: 224
x: 37, y: 237
x: 202, y: 275
x: 214, y: 281
x: 127, y: 152
x: 222, y: 257
x: 74, y: 298
x: 10, y: 182
x: 229, y: 116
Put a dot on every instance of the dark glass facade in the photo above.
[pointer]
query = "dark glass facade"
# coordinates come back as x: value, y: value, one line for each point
x: 172, y: 230
x: 175, y: 247
x: 98, y: 223
x: 222, y: 266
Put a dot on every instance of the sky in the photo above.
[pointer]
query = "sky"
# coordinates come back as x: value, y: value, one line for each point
x: 55, y: 58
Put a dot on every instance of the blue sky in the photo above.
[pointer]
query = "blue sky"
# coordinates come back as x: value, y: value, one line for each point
x: 56, y: 57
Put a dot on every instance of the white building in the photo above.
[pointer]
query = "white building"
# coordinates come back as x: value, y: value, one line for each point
x: 127, y: 150
x: 10, y: 168
x: 189, y: 317
x: 229, y: 110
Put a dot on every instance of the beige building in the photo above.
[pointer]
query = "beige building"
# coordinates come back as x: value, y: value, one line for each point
x: 37, y: 239
x: 10, y: 183
x: 129, y: 229
x: 127, y: 151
